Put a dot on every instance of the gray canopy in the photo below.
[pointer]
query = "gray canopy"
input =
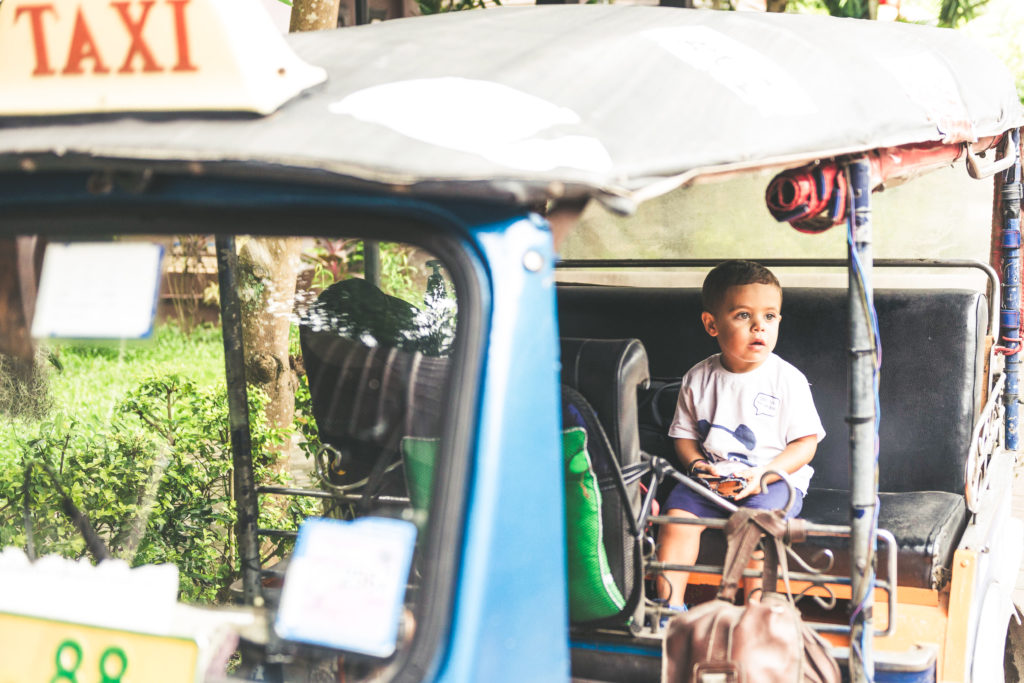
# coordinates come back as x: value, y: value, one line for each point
x: 524, y: 104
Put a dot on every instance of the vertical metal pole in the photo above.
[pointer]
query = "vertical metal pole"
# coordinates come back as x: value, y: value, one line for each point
x: 371, y: 262
x: 1009, y: 314
x: 238, y: 415
x: 863, y: 461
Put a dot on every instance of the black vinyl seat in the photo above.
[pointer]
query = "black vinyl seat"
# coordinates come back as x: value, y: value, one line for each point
x: 931, y: 385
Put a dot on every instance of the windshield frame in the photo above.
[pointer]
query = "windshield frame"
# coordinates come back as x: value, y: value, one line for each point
x: 413, y: 222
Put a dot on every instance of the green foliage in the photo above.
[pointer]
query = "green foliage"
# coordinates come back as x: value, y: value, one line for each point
x: 1000, y: 28
x: 397, y: 274
x: 336, y: 260
x: 857, y: 9
x: 332, y: 260
x: 155, y: 479
x: 305, y: 425
x: 93, y: 376
x: 438, y: 6
x: 24, y: 386
x: 953, y: 13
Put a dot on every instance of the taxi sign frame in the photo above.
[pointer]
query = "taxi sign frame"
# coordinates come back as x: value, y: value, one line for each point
x: 104, y: 56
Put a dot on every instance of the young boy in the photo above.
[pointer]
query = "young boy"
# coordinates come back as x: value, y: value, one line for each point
x: 742, y: 408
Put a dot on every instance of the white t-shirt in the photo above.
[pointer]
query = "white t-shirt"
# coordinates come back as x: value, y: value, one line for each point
x: 747, y: 416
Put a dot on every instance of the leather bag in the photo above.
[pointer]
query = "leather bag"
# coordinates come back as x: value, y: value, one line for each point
x: 762, y: 642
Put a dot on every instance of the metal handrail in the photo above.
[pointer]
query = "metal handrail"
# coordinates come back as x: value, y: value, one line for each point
x: 818, y: 530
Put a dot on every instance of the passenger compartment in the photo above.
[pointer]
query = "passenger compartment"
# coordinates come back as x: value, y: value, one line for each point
x: 931, y: 387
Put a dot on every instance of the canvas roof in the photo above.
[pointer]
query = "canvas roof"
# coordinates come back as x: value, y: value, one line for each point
x: 525, y: 104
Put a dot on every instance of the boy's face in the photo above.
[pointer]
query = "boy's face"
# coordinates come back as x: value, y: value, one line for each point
x: 746, y: 325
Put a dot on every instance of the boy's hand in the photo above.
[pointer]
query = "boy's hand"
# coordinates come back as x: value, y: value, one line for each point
x: 702, y: 469
x: 753, y: 478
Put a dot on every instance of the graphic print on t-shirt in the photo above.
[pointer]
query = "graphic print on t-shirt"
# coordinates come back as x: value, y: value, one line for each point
x: 766, y: 404
x: 743, y: 434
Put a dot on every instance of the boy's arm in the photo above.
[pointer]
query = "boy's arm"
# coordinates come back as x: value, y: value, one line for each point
x: 691, y: 457
x: 795, y: 455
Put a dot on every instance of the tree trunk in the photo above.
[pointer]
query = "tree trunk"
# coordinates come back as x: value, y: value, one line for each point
x: 777, y: 5
x: 268, y: 270
x: 269, y: 267
x: 314, y: 15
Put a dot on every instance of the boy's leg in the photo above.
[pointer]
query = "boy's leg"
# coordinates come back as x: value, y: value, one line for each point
x: 677, y: 544
x: 680, y: 543
x: 752, y: 584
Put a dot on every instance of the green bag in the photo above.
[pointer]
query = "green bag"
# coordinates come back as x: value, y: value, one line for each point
x: 419, y: 455
x: 592, y: 590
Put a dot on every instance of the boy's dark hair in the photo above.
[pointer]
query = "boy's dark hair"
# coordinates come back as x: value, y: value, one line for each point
x: 732, y: 273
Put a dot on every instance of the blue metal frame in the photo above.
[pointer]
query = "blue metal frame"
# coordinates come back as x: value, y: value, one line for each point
x: 509, y: 615
x: 1009, y: 314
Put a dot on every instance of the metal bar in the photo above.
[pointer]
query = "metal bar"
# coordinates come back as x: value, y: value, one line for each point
x: 862, y: 420
x: 371, y: 262
x: 978, y: 456
x: 888, y: 584
x: 276, y: 533
x: 341, y: 497
x: 990, y: 272
x: 238, y: 417
x: 1009, y: 314
x: 811, y: 528
x: 700, y: 489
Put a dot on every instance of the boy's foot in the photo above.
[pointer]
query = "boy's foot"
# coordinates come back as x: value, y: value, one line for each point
x: 664, y: 617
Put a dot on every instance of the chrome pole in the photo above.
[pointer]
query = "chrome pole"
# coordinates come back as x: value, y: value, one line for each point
x: 862, y: 420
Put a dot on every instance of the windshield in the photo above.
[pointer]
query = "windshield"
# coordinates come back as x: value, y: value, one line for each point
x: 729, y: 219
x: 130, y: 445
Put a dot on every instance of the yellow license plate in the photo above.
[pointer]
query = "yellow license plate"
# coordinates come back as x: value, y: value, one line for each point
x: 34, y: 650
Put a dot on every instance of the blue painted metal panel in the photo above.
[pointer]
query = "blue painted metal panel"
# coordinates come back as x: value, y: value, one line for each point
x: 927, y: 676
x: 510, y: 619
x: 511, y: 615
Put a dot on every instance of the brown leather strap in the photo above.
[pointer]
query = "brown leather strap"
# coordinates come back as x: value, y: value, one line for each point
x: 743, y: 531
x: 742, y: 536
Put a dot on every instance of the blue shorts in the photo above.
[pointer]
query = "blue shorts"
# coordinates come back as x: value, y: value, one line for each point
x: 773, y: 498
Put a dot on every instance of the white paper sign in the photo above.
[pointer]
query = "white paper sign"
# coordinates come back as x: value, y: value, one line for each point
x: 98, y: 290
x: 345, y: 584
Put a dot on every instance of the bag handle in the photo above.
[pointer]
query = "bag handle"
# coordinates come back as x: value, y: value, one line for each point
x: 743, y: 532
x: 742, y: 536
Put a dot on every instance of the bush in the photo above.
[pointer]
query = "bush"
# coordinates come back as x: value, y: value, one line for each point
x: 156, y: 483
x: 24, y: 387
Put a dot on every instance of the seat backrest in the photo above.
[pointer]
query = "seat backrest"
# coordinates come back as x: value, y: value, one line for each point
x: 607, y: 372
x: 931, y: 380
x: 600, y: 379
x: 372, y: 380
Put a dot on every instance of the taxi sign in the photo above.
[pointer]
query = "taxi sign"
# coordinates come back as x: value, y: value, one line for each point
x: 90, y: 56
x: 36, y: 649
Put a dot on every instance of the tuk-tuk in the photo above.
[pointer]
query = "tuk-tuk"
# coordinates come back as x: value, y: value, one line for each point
x: 452, y: 226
